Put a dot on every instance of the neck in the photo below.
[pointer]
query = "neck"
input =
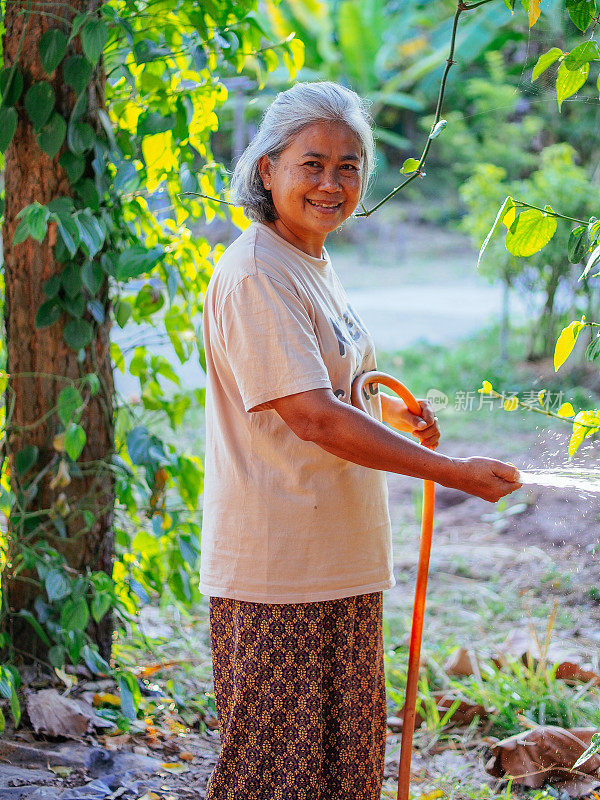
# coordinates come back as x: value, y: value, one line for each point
x: 312, y: 247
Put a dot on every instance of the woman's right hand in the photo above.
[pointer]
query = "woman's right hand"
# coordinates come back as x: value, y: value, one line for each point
x: 485, y: 477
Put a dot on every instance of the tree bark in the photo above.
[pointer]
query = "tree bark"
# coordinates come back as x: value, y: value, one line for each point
x: 30, y: 175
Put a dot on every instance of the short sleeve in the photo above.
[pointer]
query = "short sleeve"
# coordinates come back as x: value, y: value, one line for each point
x: 270, y: 342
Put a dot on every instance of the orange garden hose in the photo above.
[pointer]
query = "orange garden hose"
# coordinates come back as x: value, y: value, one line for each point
x: 416, y: 633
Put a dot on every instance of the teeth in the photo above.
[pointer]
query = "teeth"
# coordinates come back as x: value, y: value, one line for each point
x: 322, y: 205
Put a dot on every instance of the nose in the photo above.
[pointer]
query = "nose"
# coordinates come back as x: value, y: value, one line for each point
x: 330, y: 181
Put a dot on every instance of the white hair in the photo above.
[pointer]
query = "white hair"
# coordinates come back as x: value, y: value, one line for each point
x: 290, y: 112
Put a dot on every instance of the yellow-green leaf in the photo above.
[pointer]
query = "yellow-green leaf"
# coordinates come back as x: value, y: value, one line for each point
x: 566, y: 342
x: 566, y: 410
x: 486, y: 388
x: 585, y: 424
x: 531, y: 231
x: 544, y: 61
x: 511, y: 403
x: 570, y: 81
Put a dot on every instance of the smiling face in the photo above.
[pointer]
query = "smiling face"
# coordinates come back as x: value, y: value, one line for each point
x: 315, y: 183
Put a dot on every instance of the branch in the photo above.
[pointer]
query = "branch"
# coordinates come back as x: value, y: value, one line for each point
x: 438, y: 110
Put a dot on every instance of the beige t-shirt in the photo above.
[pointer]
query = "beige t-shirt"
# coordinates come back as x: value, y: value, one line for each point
x: 284, y: 521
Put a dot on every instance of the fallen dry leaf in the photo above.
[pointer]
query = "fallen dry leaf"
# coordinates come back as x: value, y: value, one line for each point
x: 461, y: 662
x: 546, y: 755
x: 522, y: 645
x: 185, y: 756
x: 62, y: 772
x: 174, y: 767
x: 57, y: 715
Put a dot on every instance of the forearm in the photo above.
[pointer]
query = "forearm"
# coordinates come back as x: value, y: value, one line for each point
x: 354, y: 436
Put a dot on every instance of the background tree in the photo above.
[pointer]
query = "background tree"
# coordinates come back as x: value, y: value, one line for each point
x: 106, y: 119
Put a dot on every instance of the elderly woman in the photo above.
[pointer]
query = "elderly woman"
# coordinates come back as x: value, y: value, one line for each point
x: 296, y: 543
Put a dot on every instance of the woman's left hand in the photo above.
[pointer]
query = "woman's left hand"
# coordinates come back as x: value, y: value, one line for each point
x: 424, y: 427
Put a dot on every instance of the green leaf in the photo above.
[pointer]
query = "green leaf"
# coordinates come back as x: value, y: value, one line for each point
x: 153, y: 122
x: 578, y: 245
x: 592, y: 261
x: 593, y: 349
x: 51, y: 136
x: 77, y: 72
x: 69, y: 405
x: 80, y: 137
x: 91, y: 234
x: 130, y: 694
x: 57, y: 585
x: 57, y: 655
x: 94, y: 661
x: 47, y: 314
x: 101, y: 602
x: 78, y: 333
x: 190, y: 479
x: 27, y: 615
x: 75, y: 440
x: 75, y: 615
x: 92, y: 276
x: 123, y: 310
x: 510, y: 4
x: 530, y: 232
x: 11, y: 89
x: 74, y: 306
x: 86, y: 189
x: 72, y: 164
x: 52, y: 286
x: 582, y: 54
x: 26, y: 458
x: 37, y: 219
x: 570, y: 81
x: 71, y: 280
x: 39, y: 103
x: 137, y: 260
x: 52, y: 49
x: 69, y: 232
x: 546, y: 60
x: 8, y: 690
x: 94, y: 36
x: 77, y: 24
x: 79, y: 109
x: 581, y: 12
x: 8, y: 126
x: 410, y: 165
x: 22, y: 231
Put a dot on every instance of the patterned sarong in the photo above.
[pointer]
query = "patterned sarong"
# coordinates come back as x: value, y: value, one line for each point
x: 300, y: 696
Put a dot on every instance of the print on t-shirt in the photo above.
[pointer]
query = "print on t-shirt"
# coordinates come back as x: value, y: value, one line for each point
x: 348, y: 343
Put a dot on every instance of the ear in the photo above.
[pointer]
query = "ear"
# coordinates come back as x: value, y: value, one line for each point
x: 265, y: 169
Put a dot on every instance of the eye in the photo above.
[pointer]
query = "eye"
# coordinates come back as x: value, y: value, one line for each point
x: 311, y: 164
x: 352, y: 166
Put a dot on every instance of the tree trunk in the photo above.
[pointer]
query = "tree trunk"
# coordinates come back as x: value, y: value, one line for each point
x: 37, y: 356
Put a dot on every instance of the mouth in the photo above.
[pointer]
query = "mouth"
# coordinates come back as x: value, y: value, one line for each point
x: 325, y: 208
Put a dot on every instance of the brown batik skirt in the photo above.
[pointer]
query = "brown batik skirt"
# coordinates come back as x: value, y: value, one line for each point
x: 300, y: 696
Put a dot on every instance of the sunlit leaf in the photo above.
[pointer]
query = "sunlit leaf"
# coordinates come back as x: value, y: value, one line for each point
x: 570, y: 81
x: 531, y: 231
x: 566, y: 342
x: 534, y: 12
x: 546, y: 60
